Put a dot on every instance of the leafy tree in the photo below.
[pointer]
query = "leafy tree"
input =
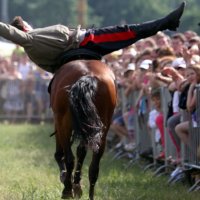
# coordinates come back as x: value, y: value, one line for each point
x: 44, y: 12
x: 102, y: 12
x: 137, y: 11
x: 128, y: 11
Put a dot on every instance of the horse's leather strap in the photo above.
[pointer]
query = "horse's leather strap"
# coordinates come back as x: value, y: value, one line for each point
x: 77, y: 54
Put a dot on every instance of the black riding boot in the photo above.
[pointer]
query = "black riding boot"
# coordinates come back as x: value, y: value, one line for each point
x: 170, y: 22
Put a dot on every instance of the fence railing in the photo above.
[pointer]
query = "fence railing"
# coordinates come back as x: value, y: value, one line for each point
x: 186, y: 155
x: 24, y: 100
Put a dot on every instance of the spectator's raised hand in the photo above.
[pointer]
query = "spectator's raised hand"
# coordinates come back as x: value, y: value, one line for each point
x: 187, y: 55
x: 169, y: 71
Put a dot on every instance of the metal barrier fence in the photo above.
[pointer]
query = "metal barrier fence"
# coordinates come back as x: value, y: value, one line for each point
x: 29, y: 100
x: 142, y: 133
x: 169, y: 149
x: 24, y: 100
x: 189, y: 152
x: 145, y: 138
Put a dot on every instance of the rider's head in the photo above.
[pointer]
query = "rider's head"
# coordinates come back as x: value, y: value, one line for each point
x: 22, y: 25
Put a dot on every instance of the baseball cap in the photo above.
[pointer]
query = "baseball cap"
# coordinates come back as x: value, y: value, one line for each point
x: 179, y: 62
x: 131, y: 66
x: 145, y: 64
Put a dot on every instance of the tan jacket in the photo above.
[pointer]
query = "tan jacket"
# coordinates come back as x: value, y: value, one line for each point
x: 42, y: 45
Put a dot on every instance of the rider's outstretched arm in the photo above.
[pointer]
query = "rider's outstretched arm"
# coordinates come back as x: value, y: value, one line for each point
x: 13, y: 34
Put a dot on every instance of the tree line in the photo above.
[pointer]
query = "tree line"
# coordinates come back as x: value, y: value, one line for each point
x: 101, y: 13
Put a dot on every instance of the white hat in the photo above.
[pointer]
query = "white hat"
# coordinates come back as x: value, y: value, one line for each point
x: 131, y: 67
x: 179, y: 62
x: 145, y: 64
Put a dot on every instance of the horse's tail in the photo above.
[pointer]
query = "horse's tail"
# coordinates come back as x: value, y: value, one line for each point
x: 87, y: 124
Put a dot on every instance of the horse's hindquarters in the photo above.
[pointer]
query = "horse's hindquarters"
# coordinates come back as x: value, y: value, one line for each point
x: 83, y: 98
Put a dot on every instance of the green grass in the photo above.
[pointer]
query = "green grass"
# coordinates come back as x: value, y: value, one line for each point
x: 28, y: 172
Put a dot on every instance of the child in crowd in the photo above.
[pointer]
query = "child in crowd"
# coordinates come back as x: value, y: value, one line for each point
x: 155, y: 120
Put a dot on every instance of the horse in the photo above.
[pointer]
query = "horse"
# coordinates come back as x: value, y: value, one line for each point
x: 83, y: 98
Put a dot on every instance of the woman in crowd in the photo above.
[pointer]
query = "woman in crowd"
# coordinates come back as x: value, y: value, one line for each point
x: 192, y: 75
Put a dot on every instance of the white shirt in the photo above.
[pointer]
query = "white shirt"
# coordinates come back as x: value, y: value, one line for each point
x: 175, y: 102
x: 152, y: 123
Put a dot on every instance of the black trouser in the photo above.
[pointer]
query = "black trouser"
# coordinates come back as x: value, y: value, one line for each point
x: 109, y: 39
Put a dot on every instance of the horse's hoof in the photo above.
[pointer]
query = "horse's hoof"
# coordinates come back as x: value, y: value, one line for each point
x: 77, y: 191
x: 63, y: 175
x: 67, y: 195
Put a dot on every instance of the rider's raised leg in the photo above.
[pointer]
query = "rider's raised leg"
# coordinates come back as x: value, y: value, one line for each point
x: 109, y: 39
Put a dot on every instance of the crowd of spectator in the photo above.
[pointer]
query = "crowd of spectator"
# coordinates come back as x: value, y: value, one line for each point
x: 23, y: 88
x: 160, y: 61
x: 151, y: 63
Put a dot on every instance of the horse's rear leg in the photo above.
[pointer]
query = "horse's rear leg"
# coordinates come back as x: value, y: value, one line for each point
x: 59, y: 157
x: 80, y: 153
x: 69, y: 162
x: 63, y: 148
x: 94, y: 169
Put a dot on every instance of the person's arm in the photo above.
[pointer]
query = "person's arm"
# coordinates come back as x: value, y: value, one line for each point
x: 132, y: 85
x: 172, y: 87
x: 187, y: 55
x: 13, y: 34
x: 162, y: 78
x: 175, y: 75
x: 140, y: 95
x: 175, y: 102
x: 191, y: 98
x: 129, y: 88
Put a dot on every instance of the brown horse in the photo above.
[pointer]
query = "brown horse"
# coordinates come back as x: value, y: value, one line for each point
x: 83, y: 98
